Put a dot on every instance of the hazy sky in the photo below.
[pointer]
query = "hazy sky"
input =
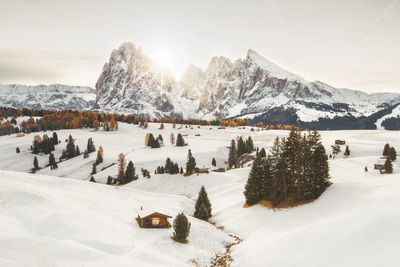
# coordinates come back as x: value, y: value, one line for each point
x: 345, y: 43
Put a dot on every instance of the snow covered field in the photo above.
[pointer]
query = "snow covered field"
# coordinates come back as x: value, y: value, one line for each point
x: 52, y: 221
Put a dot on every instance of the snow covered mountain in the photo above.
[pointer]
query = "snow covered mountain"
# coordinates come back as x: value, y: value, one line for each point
x: 54, y: 96
x: 253, y: 87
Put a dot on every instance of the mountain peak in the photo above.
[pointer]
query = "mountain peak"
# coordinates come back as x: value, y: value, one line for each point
x: 271, y: 67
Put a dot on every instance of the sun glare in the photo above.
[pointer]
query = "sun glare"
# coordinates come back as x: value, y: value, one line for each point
x: 164, y: 57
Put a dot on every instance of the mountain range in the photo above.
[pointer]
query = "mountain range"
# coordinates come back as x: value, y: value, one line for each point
x: 253, y: 88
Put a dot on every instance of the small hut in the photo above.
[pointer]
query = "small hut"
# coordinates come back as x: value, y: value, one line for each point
x: 340, y: 142
x: 198, y: 170
x: 380, y: 167
x: 150, y: 218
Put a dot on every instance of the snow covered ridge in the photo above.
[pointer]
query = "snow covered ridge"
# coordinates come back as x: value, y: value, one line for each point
x: 131, y: 82
x: 54, y: 96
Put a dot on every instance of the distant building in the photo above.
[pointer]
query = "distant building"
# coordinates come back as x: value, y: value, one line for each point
x: 340, y: 142
x: 149, y: 218
x: 205, y: 170
x: 379, y: 166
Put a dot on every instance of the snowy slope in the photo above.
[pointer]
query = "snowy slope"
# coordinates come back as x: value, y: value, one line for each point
x: 48, y: 221
x: 354, y: 223
x: 54, y: 96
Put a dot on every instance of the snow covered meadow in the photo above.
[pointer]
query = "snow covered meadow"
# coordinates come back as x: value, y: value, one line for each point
x: 59, y: 218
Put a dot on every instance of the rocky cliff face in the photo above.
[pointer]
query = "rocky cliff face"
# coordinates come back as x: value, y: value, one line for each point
x: 131, y: 82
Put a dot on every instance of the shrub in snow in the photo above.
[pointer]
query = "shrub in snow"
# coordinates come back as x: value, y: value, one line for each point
x: 181, y: 227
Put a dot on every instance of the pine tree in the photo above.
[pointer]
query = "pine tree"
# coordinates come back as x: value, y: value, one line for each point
x: 168, y: 165
x: 214, y: 162
x: 232, y: 155
x: 85, y: 154
x: 179, y: 140
x: 250, y: 145
x: 347, y: 151
x: 181, y: 170
x: 392, y: 154
x: 94, y: 169
x: 52, y: 161
x: 35, y: 163
x: 36, y: 148
x: 181, y: 227
x: 160, y: 139
x: 202, y: 199
x: 71, y: 151
x: 388, y: 165
x: 263, y: 154
x: 191, y: 162
x: 92, y: 179
x: 386, y: 150
x: 253, y: 190
x: 130, y: 174
x: 90, y: 146
x: 241, y: 147
x: 17, y: 150
x: 55, y: 138
x: 78, y: 151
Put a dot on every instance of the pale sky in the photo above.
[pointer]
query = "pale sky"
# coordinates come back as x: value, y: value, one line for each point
x: 345, y: 43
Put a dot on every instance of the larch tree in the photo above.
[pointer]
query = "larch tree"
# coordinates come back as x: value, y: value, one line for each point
x: 121, y: 166
x: 172, y: 139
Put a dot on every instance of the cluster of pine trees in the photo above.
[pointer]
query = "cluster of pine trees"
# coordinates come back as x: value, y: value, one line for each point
x: 295, y: 170
x: 170, y: 167
x: 153, y: 142
x: 391, y: 155
x: 125, y: 175
x: 237, y: 149
x: 45, y: 144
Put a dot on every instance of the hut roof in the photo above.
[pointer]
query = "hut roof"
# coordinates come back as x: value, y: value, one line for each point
x: 147, y: 210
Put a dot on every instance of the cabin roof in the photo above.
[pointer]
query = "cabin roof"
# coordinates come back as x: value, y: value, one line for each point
x: 145, y: 211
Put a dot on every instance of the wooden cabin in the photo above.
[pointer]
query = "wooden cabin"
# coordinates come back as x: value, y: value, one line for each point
x: 149, y: 218
x: 205, y: 170
x: 379, y: 167
x: 340, y: 142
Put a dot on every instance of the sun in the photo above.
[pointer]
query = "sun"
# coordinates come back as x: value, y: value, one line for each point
x: 164, y: 56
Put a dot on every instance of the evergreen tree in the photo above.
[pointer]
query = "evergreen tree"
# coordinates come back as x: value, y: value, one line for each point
x: 214, y: 162
x: 181, y: 170
x: 179, y: 140
x: 202, y: 199
x: 55, y: 138
x: 160, y: 139
x: 241, y: 147
x: 253, y: 189
x: 347, y: 151
x: 71, y: 151
x: 85, y: 154
x: 52, y: 161
x: 181, y: 227
x: 92, y: 179
x: 46, y: 144
x: 78, y: 151
x: 191, y: 163
x: 168, y: 165
x: 386, y: 150
x: 17, y: 150
x: 388, y: 165
x: 90, y: 146
x: 232, y: 155
x: 250, y: 145
x: 36, y: 148
x: 94, y: 169
x: 35, y: 163
x: 263, y: 154
x: 392, y: 154
x: 130, y: 174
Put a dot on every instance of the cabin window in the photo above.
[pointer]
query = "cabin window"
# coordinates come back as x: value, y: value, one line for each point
x: 155, y: 221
